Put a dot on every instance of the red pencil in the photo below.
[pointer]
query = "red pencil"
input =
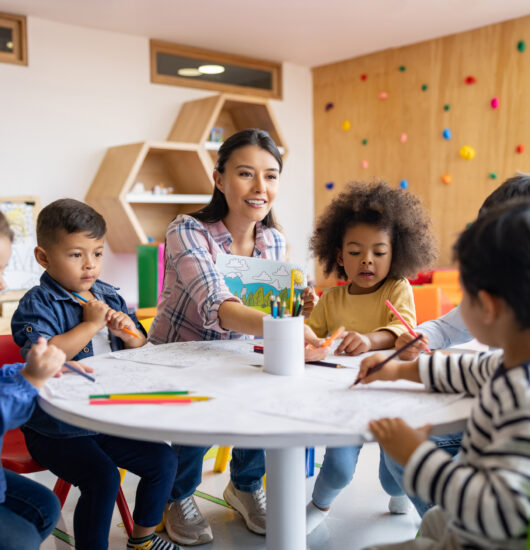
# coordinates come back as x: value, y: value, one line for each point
x: 140, y: 401
x: 405, y: 324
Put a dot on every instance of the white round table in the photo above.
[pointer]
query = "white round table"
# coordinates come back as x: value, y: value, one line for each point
x: 248, y: 409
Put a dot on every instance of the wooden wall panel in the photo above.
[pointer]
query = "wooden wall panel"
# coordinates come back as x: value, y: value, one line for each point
x: 490, y: 54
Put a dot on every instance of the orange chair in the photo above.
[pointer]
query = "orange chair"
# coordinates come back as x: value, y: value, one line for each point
x: 447, y: 280
x: 16, y: 457
x: 428, y: 301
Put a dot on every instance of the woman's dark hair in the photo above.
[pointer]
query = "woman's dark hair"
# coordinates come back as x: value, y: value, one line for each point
x: 513, y: 188
x: 5, y: 230
x: 394, y: 210
x: 217, y: 208
x: 493, y: 255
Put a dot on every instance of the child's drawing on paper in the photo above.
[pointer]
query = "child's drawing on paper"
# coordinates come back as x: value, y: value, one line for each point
x: 254, y: 280
x: 22, y: 271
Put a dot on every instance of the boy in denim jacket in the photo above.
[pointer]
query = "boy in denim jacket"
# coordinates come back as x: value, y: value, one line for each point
x: 84, y: 316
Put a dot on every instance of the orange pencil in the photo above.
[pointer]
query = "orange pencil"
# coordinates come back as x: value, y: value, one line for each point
x: 405, y: 324
x: 330, y: 339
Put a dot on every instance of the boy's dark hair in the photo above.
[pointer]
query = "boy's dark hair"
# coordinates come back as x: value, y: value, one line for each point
x: 512, y: 188
x: 399, y: 212
x: 494, y: 255
x: 217, y: 208
x: 5, y: 230
x: 71, y: 216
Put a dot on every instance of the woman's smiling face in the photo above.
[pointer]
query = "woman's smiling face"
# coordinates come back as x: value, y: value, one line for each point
x: 249, y: 182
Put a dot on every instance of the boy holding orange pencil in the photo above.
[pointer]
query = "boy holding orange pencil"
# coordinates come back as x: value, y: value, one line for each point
x: 70, y: 248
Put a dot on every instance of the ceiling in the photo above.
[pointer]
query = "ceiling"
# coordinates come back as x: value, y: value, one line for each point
x: 306, y: 32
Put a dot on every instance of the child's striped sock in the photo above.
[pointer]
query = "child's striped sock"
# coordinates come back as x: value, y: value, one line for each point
x: 151, y: 542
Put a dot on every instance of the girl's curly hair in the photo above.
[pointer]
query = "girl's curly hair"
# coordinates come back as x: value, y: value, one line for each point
x: 399, y: 212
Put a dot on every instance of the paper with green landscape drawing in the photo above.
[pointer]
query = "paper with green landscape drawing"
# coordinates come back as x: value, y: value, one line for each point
x: 255, y: 280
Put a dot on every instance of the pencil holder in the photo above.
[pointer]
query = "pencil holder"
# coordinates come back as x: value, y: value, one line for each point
x: 283, y: 345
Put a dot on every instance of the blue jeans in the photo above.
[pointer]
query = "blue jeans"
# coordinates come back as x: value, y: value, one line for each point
x: 28, y: 514
x: 337, y: 471
x: 247, y: 467
x: 91, y: 462
x: 450, y: 443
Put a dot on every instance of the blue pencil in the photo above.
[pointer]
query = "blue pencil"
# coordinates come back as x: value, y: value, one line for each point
x: 79, y: 371
x: 79, y: 296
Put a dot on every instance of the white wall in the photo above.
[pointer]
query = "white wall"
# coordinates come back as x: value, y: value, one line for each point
x: 85, y: 90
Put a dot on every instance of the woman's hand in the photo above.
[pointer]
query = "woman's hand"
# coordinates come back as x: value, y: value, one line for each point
x: 353, y: 343
x: 397, y: 438
x: 413, y: 351
x: 310, y: 300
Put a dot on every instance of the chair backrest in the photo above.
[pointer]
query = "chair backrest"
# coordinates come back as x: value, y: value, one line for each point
x: 9, y: 351
x: 428, y: 301
x: 146, y: 323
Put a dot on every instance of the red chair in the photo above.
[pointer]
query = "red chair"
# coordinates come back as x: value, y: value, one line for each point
x: 16, y: 457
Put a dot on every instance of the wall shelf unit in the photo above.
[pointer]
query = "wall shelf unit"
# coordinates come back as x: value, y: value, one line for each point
x: 185, y: 163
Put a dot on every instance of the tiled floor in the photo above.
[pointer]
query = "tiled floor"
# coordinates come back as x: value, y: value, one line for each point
x: 359, y: 515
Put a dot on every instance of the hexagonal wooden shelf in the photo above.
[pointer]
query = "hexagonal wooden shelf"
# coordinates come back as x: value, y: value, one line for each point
x: 231, y: 112
x: 133, y: 217
x: 185, y: 163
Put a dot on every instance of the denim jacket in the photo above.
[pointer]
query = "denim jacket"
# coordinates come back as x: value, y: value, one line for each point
x: 17, y: 399
x: 48, y: 310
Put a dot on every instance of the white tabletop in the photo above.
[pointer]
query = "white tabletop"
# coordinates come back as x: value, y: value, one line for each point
x: 250, y: 408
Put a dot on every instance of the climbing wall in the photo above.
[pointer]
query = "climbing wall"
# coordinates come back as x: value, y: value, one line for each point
x: 447, y: 119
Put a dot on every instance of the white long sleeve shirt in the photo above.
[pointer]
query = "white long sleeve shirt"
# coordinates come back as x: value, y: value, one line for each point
x: 486, y: 490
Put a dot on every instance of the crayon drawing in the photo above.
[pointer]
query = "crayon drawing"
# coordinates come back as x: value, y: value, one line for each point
x: 254, y: 280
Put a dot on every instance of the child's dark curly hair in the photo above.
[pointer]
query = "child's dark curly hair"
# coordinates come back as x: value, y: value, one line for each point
x: 399, y: 212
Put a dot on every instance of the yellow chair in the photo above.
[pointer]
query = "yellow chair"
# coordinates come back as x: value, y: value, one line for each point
x: 146, y: 323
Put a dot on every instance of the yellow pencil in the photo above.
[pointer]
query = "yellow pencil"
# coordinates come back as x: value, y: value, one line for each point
x: 291, y: 300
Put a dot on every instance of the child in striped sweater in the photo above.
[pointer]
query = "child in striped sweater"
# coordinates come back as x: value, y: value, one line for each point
x: 483, y: 495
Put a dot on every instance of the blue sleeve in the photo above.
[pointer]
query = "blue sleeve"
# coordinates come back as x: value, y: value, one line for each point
x: 17, y: 397
x: 449, y: 330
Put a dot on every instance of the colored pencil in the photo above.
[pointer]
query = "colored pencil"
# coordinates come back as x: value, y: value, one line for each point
x: 330, y: 339
x: 79, y: 371
x: 140, y: 401
x: 125, y: 329
x: 380, y: 365
x: 291, y: 297
x: 148, y: 393
x: 158, y: 397
x: 259, y: 349
x: 405, y: 324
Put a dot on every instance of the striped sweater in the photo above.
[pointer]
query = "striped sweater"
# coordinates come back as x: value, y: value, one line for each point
x: 486, y: 489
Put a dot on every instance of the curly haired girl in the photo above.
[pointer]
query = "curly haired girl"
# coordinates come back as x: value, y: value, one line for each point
x: 373, y: 236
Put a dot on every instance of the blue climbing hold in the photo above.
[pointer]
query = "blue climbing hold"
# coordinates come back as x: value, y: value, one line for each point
x: 403, y: 184
x: 446, y: 134
x: 329, y: 185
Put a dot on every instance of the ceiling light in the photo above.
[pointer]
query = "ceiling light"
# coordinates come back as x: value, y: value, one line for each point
x: 189, y: 71
x: 211, y: 69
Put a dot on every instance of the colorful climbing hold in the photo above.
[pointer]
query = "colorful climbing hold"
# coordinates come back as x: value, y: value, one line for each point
x: 424, y: 87
x: 346, y: 125
x: 447, y: 179
x: 470, y: 80
x: 494, y: 102
x: 446, y: 134
x: 402, y: 68
x: 467, y: 152
x: 329, y: 105
x: 364, y: 77
x: 364, y: 142
x: 520, y: 148
x: 329, y: 185
x: 403, y: 184
x: 521, y: 45
x: 493, y: 176
x: 447, y: 107
x: 403, y: 138
x: 383, y: 95
x: 364, y: 164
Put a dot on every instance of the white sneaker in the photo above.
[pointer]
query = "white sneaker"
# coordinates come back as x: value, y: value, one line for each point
x: 314, y: 516
x: 399, y: 505
x: 185, y: 523
x: 252, y: 506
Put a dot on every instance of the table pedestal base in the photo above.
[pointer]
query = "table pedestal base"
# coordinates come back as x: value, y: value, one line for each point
x: 286, y: 499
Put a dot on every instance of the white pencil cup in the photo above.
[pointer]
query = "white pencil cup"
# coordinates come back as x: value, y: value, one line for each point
x: 283, y: 345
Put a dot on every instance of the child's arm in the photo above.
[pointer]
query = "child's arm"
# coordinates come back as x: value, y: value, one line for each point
x: 391, y: 371
x: 355, y: 343
x: 74, y: 340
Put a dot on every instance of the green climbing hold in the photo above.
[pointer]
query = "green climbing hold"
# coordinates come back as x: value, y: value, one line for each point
x: 364, y: 142
x: 424, y: 87
x: 521, y: 45
x: 493, y: 175
x: 402, y: 68
x: 447, y: 107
